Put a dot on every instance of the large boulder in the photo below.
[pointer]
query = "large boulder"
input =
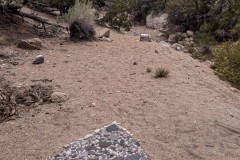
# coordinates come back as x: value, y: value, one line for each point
x: 156, y: 21
x: 31, y: 44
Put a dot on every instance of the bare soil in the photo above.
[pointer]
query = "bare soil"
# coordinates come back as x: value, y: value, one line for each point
x: 191, y: 114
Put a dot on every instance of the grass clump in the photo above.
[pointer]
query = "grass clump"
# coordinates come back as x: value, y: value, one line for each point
x: 227, y: 63
x: 161, y: 72
x: 82, y: 9
x: 149, y: 69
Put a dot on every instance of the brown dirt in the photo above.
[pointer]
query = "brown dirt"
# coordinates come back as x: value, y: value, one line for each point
x: 191, y: 114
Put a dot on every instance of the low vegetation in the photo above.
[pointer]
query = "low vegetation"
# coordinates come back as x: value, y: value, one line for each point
x: 161, y: 72
x: 227, y: 63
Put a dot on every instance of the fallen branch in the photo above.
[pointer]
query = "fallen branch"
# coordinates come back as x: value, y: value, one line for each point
x: 36, y: 18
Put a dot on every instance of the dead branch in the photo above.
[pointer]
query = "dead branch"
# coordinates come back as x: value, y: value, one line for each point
x: 36, y: 18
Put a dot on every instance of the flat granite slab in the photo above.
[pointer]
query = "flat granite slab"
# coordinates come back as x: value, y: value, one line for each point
x: 111, y: 142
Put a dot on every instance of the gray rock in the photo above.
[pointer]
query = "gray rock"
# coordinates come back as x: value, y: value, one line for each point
x: 190, y: 33
x: 112, y: 127
x: 118, y: 158
x: 134, y: 157
x: 145, y: 37
x: 39, y: 59
x: 165, y: 44
x: 104, y: 144
x: 113, y: 137
x: 58, y: 97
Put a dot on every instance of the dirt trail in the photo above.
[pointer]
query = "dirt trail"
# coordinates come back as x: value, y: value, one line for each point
x: 189, y: 115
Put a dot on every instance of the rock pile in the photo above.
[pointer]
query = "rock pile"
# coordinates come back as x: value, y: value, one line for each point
x: 108, y: 143
x: 182, y: 41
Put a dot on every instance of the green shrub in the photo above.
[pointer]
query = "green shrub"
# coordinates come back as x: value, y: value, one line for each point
x: 82, y: 9
x: 227, y: 63
x: 118, y: 15
x: 161, y: 72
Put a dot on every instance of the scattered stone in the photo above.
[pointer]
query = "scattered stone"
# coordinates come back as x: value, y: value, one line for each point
x: 145, y: 37
x: 39, y: 59
x: 58, y: 97
x: 134, y: 63
x: 30, y: 44
x: 156, y: 51
x: 104, y: 33
x: 190, y: 33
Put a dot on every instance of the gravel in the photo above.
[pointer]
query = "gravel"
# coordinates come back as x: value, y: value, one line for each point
x: 111, y: 142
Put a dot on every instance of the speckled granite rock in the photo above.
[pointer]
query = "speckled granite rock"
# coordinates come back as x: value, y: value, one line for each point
x: 111, y: 142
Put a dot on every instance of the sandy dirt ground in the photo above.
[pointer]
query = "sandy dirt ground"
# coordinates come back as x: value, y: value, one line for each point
x: 191, y: 114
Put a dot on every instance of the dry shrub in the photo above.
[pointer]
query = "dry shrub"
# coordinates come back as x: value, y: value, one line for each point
x: 82, y: 9
x: 161, y: 72
x: 81, y: 30
x: 14, y: 100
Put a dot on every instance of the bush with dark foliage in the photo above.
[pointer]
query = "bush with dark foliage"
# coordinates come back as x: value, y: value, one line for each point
x: 81, y: 30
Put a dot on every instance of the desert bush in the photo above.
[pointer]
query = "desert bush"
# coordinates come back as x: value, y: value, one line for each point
x: 227, y: 63
x: 117, y: 16
x: 161, y: 72
x: 82, y: 9
x: 80, y: 29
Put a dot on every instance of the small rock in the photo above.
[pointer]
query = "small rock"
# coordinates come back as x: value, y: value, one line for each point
x: 59, y: 97
x: 190, y: 33
x: 134, y: 157
x: 177, y: 46
x: 118, y: 158
x: 165, y: 44
x: 156, y: 51
x: 134, y: 63
x: 173, y: 38
x: 30, y: 44
x: 39, y: 59
x: 145, y: 37
x: 104, y: 33
x: 184, y: 35
x: 105, y: 39
x: 113, y: 137
x: 112, y: 127
x: 104, y: 144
